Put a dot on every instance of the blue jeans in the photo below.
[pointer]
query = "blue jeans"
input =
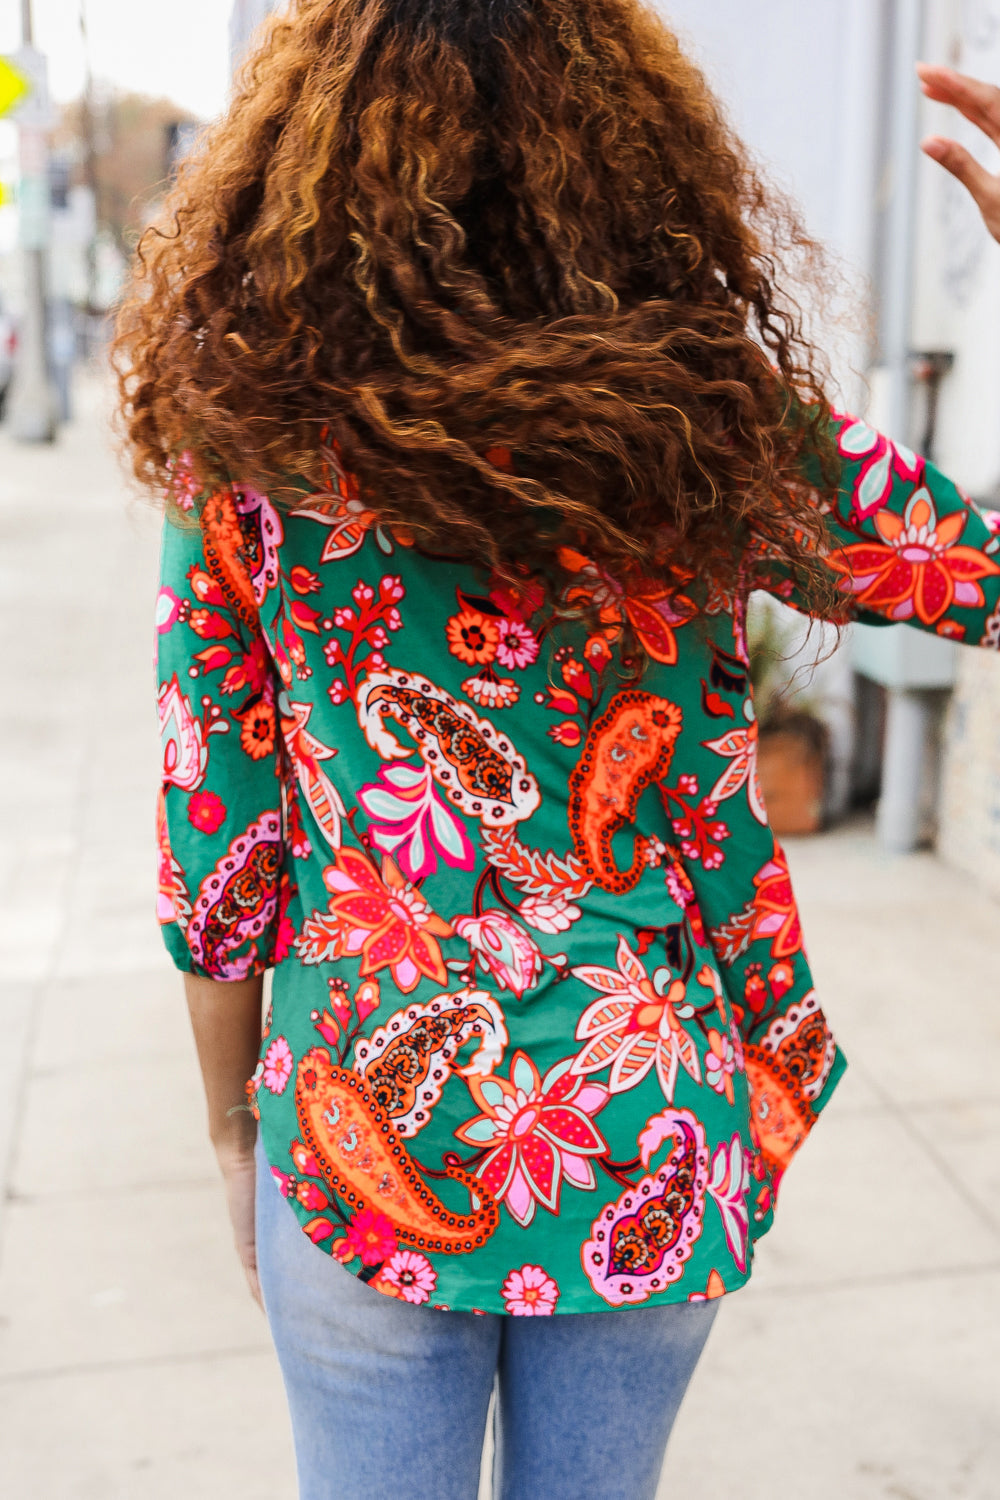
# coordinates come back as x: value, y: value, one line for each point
x: 390, y: 1399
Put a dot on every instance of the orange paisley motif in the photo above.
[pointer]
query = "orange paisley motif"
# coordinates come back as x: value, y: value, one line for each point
x: 772, y: 913
x: 780, y: 1114
x: 786, y: 1072
x: 363, y: 1160
x: 224, y: 543
x: 628, y: 749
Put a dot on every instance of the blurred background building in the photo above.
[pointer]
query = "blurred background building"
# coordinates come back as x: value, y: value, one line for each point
x: 825, y: 95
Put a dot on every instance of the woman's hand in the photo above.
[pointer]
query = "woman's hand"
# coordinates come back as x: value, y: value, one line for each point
x: 980, y: 104
x: 239, y: 1174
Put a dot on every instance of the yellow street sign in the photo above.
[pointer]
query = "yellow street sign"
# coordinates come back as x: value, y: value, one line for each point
x: 14, y: 87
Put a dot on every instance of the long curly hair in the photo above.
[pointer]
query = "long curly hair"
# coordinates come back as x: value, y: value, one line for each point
x: 441, y: 230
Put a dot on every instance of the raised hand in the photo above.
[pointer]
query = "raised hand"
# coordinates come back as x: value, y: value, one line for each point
x: 980, y: 104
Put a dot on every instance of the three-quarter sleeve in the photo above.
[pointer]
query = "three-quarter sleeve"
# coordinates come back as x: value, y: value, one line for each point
x: 908, y: 547
x: 222, y: 890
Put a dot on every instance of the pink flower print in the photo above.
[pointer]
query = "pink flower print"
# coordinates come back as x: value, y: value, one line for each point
x: 537, y: 1131
x: 635, y: 1025
x: 206, y: 811
x: 530, y: 1293
x: 371, y: 1236
x: 517, y: 646
x: 411, y: 1274
x: 917, y: 566
x: 384, y: 918
x: 277, y: 1065
x: 412, y: 823
x: 503, y: 949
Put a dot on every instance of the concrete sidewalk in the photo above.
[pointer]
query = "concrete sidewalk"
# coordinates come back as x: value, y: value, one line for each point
x: 862, y: 1362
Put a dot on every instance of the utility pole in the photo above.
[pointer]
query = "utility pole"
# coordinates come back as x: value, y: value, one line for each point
x: 89, y: 159
x: 32, y: 405
x: 909, y: 704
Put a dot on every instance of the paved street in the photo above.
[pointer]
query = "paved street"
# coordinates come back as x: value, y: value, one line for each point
x: 862, y: 1362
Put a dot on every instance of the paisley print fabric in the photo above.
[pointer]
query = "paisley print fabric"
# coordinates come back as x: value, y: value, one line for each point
x: 640, y: 1243
x: 543, y: 1036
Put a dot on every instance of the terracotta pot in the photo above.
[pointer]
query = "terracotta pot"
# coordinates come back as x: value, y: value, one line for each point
x: 791, y: 761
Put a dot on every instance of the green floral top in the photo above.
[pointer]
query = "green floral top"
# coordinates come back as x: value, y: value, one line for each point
x: 543, y: 1037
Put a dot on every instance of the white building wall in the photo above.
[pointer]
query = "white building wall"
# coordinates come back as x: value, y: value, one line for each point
x: 245, y: 17
x: 788, y: 75
x: 958, y: 308
x: 804, y: 87
x: 958, y: 267
x: 801, y: 84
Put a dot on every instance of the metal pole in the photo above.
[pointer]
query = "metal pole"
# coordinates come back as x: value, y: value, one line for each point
x: 89, y: 161
x: 864, y: 27
x: 906, y: 741
x: 908, y: 711
x: 901, y: 219
x: 32, y: 406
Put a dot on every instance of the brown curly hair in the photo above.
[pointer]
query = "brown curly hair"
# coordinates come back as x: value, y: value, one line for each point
x: 442, y: 228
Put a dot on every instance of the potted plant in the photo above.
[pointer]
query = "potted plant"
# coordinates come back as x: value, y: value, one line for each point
x: 793, y: 743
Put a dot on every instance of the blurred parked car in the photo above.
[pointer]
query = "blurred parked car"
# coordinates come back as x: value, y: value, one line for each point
x: 8, y: 348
